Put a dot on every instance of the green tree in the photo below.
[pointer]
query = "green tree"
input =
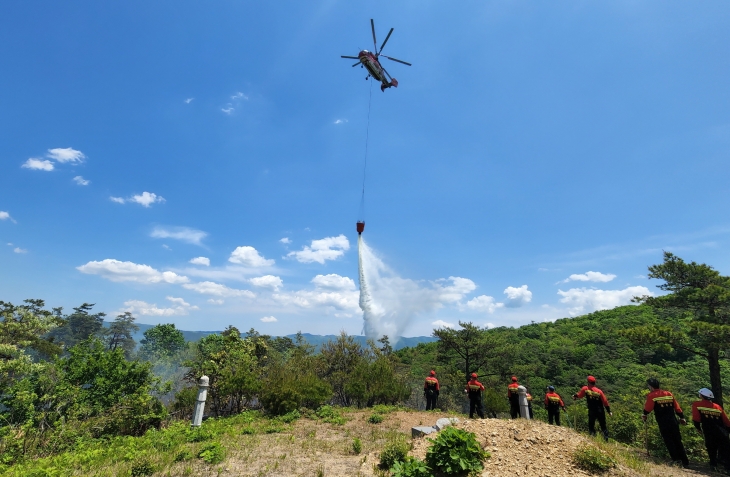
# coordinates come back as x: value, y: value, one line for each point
x: 473, y: 349
x: 79, y: 326
x: 161, y: 341
x: 337, y: 361
x: 695, y: 314
x: 119, y: 334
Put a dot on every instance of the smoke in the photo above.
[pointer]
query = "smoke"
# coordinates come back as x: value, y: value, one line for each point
x: 389, y: 302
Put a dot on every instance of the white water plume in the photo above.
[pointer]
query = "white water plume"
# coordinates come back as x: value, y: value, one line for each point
x: 389, y: 302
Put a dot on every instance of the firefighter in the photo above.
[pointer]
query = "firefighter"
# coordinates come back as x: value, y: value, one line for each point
x: 712, y: 422
x: 665, y: 407
x: 528, y: 396
x: 474, y: 390
x: 553, y: 404
x: 431, y: 390
x: 514, y: 398
x: 596, y: 401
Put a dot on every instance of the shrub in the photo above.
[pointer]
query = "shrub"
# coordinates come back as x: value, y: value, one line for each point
x: 394, y: 451
x: 249, y: 430
x: 331, y: 415
x: 183, y: 455
x: 290, y: 417
x: 285, y: 391
x: 356, y: 446
x: 142, y: 468
x: 199, y: 434
x: 626, y: 426
x: 375, y: 419
x: 455, y: 451
x: 212, y: 453
x: 411, y: 467
x: 384, y: 409
x: 592, y: 459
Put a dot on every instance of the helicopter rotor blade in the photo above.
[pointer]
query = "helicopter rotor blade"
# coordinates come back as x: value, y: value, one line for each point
x: 386, y: 40
x: 395, y: 59
x: 386, y: 73
x: 350, y: 57
x: 375, y: 43
x: 358, y: 63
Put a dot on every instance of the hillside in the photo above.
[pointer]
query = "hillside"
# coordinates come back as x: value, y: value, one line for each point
x: 251, y: 445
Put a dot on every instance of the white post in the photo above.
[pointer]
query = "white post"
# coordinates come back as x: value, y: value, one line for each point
x: 200, y: 403
x: 524, y: 409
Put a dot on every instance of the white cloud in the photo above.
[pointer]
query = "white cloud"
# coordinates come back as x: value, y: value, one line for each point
x: 334, y: 282
x: 145, y: 199
x: 489, y: 325
x: 340, y: 121
x: 239, y: 96
x: 38, y: 165
x: 166, y: 247
x: 590, y: 277
x: 118, y: 271
x: 6, y: 216
x: 516, y: 297
x: 20, y: 250
x: 214, y: 301
x: 267, y: 281
x: 443, y: 324
x: 285, y: 240
x: 340, y: 300
x: 459, y: 288
x: 67, y: 154
x: 189, y: 100
x: 586, y: 300
x: 328, y: 248
x: 483, y: 303
x: 228, y: 109
x: 178, y: 307
x: 216, y: 289
x: 184, y: 234
x: 249, y: 257
x: 81, y: 181
x: 269, y: 319
x: 201, y: 261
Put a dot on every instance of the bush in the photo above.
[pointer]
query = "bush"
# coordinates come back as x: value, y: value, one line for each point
x: 142, y: 468
x: 183, y: 455
x: 289, y: 417
x: 356, y: 446
x: 199, y: 434
x: 592, y: 459
x: 375, y: 419
x: 286, y: 391
x: 212, y: 453
x: 411, y: 467
x: 394, y: 451
x: 331, y: 415
x: 626, y: 426
x: 455, y: 451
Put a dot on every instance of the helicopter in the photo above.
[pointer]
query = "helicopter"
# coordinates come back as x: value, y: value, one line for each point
x: 369, y: 60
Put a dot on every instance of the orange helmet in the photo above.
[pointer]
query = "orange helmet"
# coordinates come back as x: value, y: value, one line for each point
x: 591, y: 379
x: 514, y: 379
x: 432, y: 373
x: 473, y: 375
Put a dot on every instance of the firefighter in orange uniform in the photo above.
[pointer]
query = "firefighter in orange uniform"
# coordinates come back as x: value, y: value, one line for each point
x: 514, y: 398
x: 665, y: 407
x: 596, y: 401
x: 431, y: 390
x: 553, y: 404
x: 712, y: 422
x: 474, y: 390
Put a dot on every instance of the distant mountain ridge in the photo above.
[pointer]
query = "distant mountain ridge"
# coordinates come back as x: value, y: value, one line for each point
x: 314, y: 340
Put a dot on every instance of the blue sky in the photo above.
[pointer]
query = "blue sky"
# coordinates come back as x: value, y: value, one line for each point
x: 529, y: 144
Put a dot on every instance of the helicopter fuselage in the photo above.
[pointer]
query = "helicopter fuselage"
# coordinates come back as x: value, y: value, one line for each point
x: 371, y: 63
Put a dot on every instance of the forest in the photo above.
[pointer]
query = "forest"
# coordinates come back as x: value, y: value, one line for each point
x: 67, y: 381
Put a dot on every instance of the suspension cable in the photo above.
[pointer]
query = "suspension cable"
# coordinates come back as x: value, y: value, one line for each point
x: 365, y: 165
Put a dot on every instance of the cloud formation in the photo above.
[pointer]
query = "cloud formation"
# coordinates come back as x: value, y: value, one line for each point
x: 249, y: 257
x: 285, y: 240
x: 443, y: 324
x: 586, y: 300
x: 267, y: 281
x: 590, y: 277
x: 38, y: 165
x: 516, y: 297
x: 145, y: 199
x: 484, y: 303
x: 205, y: 261
x: 118, y: 271
x: 6, y: 216
x: 184, y: 234
x: 81, y: 181
x: 67, y: 154
x: 178, y: 307
x: 340, y: 121
x: 269, y: 319
x: 333, y: 282
x: 328, y: 248
x: 217, y: 289
x: 20, y: 250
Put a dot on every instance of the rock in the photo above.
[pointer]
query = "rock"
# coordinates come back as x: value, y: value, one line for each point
x: 421, y: 431
x: 445, y: 422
